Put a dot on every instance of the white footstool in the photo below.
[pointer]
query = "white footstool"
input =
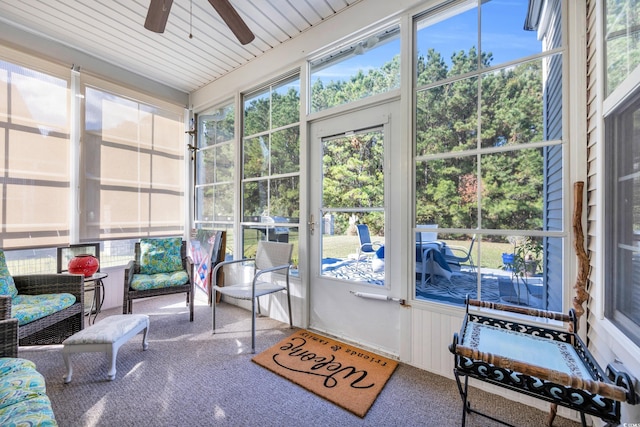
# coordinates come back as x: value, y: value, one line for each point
x: 105, y: 336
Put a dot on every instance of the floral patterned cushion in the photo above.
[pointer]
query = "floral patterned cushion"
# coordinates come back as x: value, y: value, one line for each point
x: 160, y: 255
x: 23, y: 399
x: 31, y: 412
x: 27, y: 308
x: 9, y: 365
x: 141, y: 282
x: 7, y: 285
x: 21, y: 385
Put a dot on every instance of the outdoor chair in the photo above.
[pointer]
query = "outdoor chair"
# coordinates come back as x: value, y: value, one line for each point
x: 367, y: 248
x: 48, y: 307
x: 428, y: 258
x: 429, y: 236
x: 429, y: 262
x: 160, y: 267
x: 460, y: 254
x: 8, y: 329
x: 271, y: 257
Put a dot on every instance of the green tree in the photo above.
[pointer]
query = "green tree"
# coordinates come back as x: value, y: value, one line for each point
x: 510, y: 108
x: 269, y: 154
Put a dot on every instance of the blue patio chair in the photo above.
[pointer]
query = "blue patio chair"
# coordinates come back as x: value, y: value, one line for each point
x: 367, y: 248
x: 460, y: 254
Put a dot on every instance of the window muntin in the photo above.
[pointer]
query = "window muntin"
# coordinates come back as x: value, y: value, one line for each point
x: 133, y: 157
x: 271, y: 164
x: 622, y: 283
x: 622, y: 41
x: 34, y: 157
x: 474, y: 169
x: 215, y: 171
x: 365, y: 68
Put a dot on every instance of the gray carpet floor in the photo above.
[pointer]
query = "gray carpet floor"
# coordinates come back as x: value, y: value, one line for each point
x: 190, y: 377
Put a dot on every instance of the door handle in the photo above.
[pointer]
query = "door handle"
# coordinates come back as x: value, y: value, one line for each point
x: 311, y: 224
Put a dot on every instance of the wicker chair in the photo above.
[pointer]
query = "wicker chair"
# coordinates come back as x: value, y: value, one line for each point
x: 56, y: 327
x: 134, y: 268
x: 8, y: 329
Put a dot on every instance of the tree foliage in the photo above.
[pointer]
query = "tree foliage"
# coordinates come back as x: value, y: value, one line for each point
x: 501, y: 111
x: 271, y: 151
x: 497, y: 109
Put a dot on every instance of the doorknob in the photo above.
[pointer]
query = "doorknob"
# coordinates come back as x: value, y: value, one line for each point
x: 311, y: 224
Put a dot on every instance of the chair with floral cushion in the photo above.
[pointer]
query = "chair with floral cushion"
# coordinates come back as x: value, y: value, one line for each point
x: 23, y: 390
x: 49, y: 308
x: 160, y: 267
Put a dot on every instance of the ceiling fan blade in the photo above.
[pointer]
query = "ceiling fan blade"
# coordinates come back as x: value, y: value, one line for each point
x: 157, y: 15
x: 235, y: 23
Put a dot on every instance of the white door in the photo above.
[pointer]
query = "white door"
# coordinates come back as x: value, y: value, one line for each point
x: 351, y: 296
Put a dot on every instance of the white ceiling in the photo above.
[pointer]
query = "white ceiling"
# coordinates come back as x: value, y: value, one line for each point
x: 113, y: 30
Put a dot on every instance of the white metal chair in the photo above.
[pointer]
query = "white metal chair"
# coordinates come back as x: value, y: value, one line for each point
x: 271, y: 257
x: 426, y: 242
x: 427, y: 236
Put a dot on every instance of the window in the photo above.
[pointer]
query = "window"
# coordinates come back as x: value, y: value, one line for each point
x: 623, y: 193
x: 488, y: 152
x: 622, y: 167
x: 118, y: 178
x: 34, y: 121
x: 622, y: 40
x: 271, y: 165
x: 133, y: 169
x: 367, y: 67
x: 215, y: 167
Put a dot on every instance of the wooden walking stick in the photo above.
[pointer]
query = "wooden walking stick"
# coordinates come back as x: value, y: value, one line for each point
x: 580, y: 286
x: 582, y: 276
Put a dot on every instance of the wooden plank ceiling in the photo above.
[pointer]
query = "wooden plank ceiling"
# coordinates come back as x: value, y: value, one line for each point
x: 113, y: 30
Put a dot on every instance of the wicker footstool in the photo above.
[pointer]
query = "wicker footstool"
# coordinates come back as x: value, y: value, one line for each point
x: 105, y: 336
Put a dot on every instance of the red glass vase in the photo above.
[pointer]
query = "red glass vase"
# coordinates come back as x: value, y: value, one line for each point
x: 84, y: 264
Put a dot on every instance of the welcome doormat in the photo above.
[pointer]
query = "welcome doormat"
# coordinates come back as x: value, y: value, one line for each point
x: 341, y: 373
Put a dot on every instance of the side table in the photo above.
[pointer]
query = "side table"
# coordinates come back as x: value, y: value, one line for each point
x: 95, y: 283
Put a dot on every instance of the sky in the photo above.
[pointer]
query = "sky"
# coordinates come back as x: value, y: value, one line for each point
x: 502, y: 35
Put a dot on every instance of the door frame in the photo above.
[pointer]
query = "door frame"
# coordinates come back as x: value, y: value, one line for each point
x: 385, y: 113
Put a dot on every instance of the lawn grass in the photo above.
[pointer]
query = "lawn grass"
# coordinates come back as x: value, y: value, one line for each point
x: 340, y: 246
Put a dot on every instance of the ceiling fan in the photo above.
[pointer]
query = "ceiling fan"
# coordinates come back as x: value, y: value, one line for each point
x: 158, y: 14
